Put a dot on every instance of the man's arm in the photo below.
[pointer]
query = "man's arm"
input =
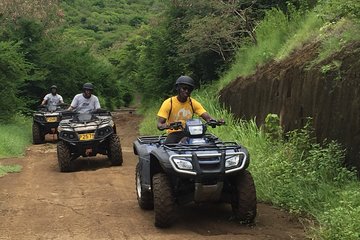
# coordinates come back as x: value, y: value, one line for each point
x: 97, y: 103
x: 73, y: 104
x: 206, y: 117
x: 44, y: 101
x: 161, y: 124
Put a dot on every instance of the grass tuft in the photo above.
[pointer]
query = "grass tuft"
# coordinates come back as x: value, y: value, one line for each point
x: 15, y: 137
x: 5, y: 169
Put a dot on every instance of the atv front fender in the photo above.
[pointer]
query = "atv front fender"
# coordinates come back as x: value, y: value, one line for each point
x: 162, y: 157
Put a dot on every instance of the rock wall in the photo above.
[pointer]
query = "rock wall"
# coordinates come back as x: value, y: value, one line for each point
x: 329, y: 92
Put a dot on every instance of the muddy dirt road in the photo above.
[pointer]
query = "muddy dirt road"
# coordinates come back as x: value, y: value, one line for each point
x: 98, y: 201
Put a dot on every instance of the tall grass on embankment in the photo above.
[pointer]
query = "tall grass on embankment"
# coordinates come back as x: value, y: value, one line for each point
x: 14, y: 138
x: 293, y: 172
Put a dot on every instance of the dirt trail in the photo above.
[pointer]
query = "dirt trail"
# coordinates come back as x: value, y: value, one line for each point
x: 98, y: 201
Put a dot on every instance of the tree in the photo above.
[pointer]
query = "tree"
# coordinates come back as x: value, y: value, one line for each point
x: 13, y: 72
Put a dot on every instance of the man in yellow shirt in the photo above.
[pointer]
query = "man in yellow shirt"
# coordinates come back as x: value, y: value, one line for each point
x: 179, y: 109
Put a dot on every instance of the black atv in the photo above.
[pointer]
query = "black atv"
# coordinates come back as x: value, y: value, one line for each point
x: 45, y: 121
x: 200, y: 168
x: 87, y: 134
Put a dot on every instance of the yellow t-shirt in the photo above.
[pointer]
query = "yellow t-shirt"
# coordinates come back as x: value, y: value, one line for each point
x: 178, y: 111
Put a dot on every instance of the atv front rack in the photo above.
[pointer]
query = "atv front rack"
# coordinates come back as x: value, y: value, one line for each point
x: 220, y: 146
x: 151, y: 139
x: 180, y: 147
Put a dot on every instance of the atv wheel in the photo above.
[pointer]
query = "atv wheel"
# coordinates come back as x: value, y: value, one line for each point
x: 244, y: 199
x: 145, y: 198
x: 164, y: 203
x: 114, y: 151
x: 38, y: 136
x: 64, y: 157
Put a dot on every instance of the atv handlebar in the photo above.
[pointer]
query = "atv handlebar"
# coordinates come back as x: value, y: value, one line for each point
x: 213, y: 123
x: 175, y: 126
x: 178, y: 125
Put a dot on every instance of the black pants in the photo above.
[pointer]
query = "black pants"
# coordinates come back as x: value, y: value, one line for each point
x: 174, y: 137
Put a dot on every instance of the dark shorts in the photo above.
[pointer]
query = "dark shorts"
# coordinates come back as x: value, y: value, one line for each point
x: 174, y: 137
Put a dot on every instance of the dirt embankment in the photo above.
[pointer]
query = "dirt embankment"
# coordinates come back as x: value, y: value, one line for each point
x: 329, y: 92
x: 98, y: 201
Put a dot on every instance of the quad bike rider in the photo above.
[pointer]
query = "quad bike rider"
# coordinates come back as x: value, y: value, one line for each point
x: 190, y: 165
x: 46, y: 119
x: 87, y: 130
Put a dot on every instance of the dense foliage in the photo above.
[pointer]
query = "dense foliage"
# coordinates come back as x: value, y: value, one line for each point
x: 124, y: 47
x: 66, y: 43
x: 197, y: 38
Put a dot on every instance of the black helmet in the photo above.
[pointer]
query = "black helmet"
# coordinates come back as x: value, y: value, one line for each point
x: 88, y: 86
x: 53, y: 86
x: 185, y: 80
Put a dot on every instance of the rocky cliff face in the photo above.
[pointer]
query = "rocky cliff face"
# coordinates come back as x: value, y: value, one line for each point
x: 329, y: 92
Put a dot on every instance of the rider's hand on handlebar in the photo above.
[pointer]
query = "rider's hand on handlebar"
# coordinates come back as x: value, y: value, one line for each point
x: 163, y: 127
x: 213, y: 123
x: 175, y: 125
x: 221, y: 122
x: 172, y: 126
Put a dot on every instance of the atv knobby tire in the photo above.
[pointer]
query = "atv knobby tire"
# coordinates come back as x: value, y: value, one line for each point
x: 64, y: 157
x: 38, y: 136
x: 145, y: 198
x: 164, y: 203
x: 244, y: 198
x: 114, y: 150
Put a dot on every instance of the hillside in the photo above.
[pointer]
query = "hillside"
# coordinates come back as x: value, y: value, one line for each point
x: 298, y: 87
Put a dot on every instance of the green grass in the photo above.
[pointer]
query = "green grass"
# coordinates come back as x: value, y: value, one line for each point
x: 5, y: 169
x: 15, y: 137
x: 335, y: 36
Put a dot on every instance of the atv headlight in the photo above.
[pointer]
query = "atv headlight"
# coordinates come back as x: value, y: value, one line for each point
x: 232, y: 161
x: 196, y: 130
x: 183, y: 164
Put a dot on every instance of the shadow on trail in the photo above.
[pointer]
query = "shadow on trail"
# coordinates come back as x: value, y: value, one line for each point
x: 208, y: 219
x: 91, y: 164
x: 86, y: 164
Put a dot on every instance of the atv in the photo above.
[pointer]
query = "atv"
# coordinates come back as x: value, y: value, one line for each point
x: 45, y: 121
x: 87, y: 134
x: 200, y: 168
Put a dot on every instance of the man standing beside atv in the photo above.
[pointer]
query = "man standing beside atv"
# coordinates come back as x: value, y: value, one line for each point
x: 180, y: 108
x: 86, y: 101
x: 53, y: 98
